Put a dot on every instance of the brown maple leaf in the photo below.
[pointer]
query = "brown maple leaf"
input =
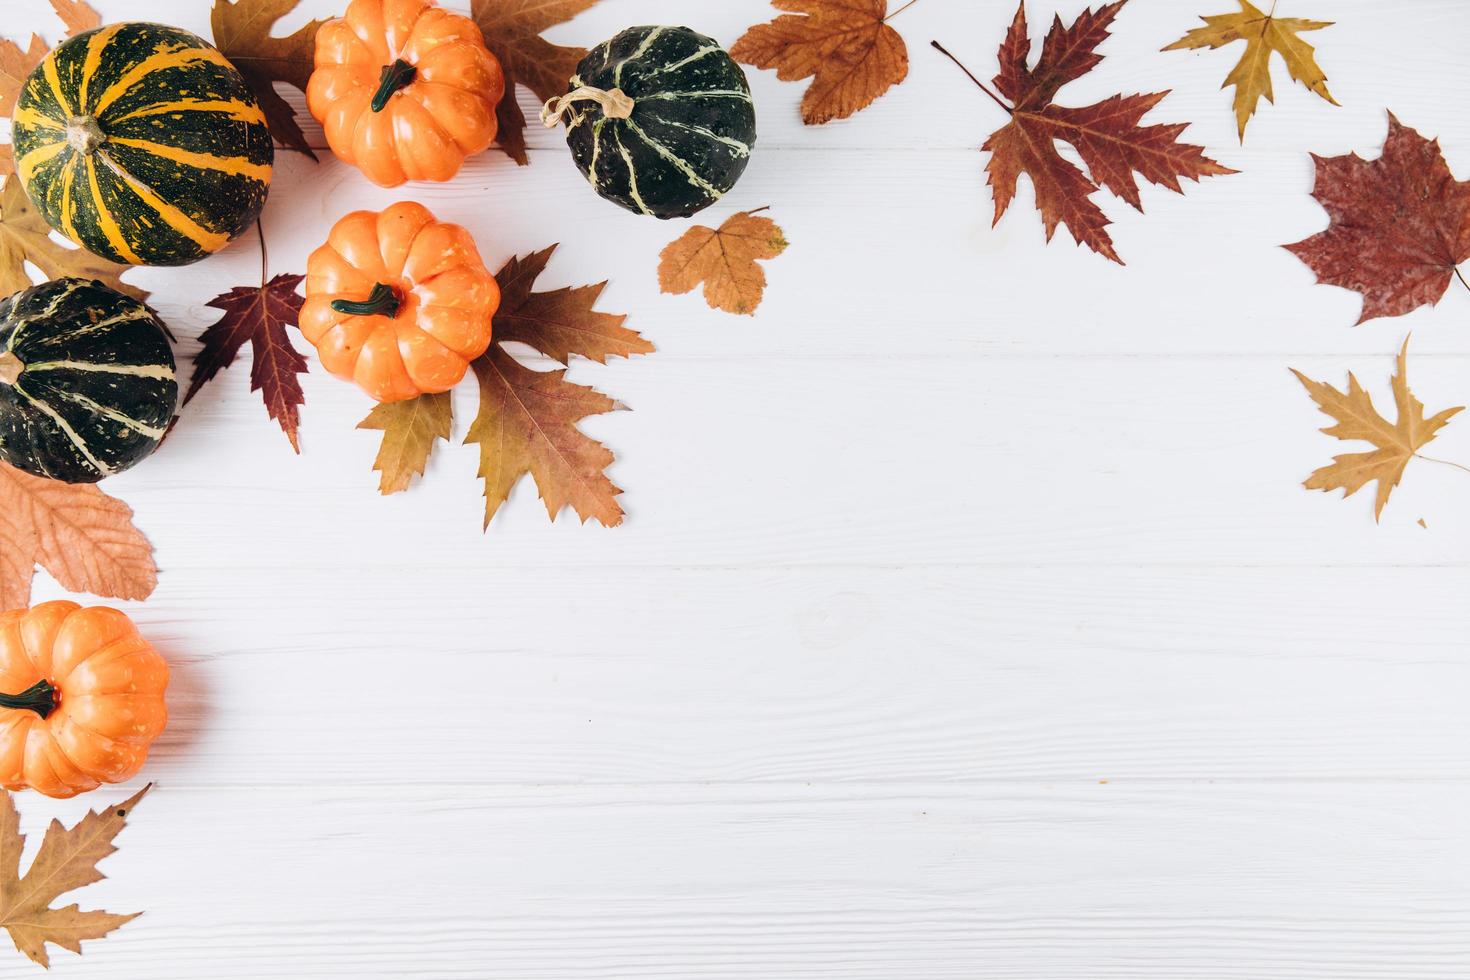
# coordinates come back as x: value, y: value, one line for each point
x: 1263, y: 34
x: 1107, y: 135
x: 79, y: 534
x: 528, y: 424
x: 1396, y: 443
x: 26, y: 237
x: 561, y: 322
x: 67, y: 860
x: 512, y: 30
x: 15, y: 67
x: 76, y: 15
x: 1399, y: 224
x: 845, y: 46
x: 242, y: 32
x: 410, y: 429
x: 260, y: 315
x: 724, y: 259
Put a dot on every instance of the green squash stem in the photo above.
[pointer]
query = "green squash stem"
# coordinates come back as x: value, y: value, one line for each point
x: 393, y: 78
x: 40, y: 697
x: 382, y: 300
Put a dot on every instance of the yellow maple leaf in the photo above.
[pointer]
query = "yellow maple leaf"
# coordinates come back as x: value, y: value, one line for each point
x: 1263, y: 33
x: 1357, y: 419
x: 67, y: 860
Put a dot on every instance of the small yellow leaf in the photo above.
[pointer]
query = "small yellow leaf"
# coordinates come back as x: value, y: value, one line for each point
x: 724, y: 259
x: 410, y: 428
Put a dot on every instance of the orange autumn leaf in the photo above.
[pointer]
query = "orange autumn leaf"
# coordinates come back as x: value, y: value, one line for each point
x: 66, y: 860
x: 724, y: 260
x: 1108, y: 136
x: 79, y: 534
x: 76, y: 15
x: 845, y: 47
x: 1395, y: 443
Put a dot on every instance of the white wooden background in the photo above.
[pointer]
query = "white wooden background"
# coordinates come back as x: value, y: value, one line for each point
x: 969, y: 621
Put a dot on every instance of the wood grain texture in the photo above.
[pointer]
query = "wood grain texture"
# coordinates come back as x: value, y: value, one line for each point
x: 969, y: 619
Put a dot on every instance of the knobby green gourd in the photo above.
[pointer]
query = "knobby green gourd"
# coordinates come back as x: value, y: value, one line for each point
x: 87, y: 383
x: 659, y: 119
x: 141, y: 143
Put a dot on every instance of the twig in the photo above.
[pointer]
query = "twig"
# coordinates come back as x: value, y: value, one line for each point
x: 993, y: 97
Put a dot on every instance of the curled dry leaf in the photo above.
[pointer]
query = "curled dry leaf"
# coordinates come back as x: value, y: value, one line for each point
x: 260, y: 315
x: 1395, y: 443
x: 242, y: 32
x: 512, y: 30
x: 79, y: 534
x: 25, y: 237
x: 67, y: 860
x: 724, y: 259
x: 1107, y: 135
x: 1399, y: 224
x: 1264, y: 34
x: 410, y: 429
x: 845, y: 47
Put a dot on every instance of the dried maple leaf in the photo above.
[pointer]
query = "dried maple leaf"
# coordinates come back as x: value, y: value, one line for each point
x: 410, y: 429
x: 76, y: 15
x: 528, y: 424
x: 512, y: 30
x: 26, y: 237
x: 260, y: 315
x: 79, y: 534
x: 1107, y: 135
x: 67, y: 860
x: 845, y: 47
x: 1263, y: 34
x: 15, y: 66
x: 1399, y: 224
x: 1396, y: 442
x: 242, y: 32
x: 724, y: 259
x: 561, y: 322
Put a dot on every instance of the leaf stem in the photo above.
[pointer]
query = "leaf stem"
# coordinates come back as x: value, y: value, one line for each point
x: 763, y: 207
x: 260, y: 237
x: 1461, y: 276
x: 993, y: 97
x: 899, y: 10
x: 1441, y: 462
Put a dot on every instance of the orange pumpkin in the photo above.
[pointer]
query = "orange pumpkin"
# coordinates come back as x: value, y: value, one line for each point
x: 404, y: 89
x: 87, y: 698
x: 398, y: 302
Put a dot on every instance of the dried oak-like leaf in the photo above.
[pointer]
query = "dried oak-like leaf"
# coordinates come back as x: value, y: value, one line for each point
x: 512, y: 30
x: 1107, y: 135
x: 79, y: 534
x: 845, y: 47
x: 242, y: 32
x: 528, y: 424
x: 1395, y: 443
x: 67, y: 860
x: 1263, y: 34
x: 561, y: 322
x: 724, y: 259
x: 1399, y: 224
x: 259, y: 315
x: 25, y: 237
x: 76, y: 15
x: 410, y: 429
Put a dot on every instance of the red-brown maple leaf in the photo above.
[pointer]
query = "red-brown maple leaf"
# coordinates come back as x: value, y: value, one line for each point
x: 1107, y: 135
x: 260, y: 315
x: 1400, y: 224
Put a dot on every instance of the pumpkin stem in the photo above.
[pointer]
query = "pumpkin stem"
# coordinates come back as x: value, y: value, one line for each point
x: 84, y: 135
x: 10, y: 368
x: 393, y: 78
x: 614, y: 101
x: 382, y: 300
x: 40, y: 697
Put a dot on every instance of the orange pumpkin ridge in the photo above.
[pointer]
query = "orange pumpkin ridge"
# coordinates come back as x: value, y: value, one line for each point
x: 398, y: 302
x: 88, y: 701
x: 404, y: 90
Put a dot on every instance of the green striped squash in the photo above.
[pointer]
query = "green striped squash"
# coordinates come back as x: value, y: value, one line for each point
x: 141, y: 143
x: 687, y: 134
x: 87, y: 383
